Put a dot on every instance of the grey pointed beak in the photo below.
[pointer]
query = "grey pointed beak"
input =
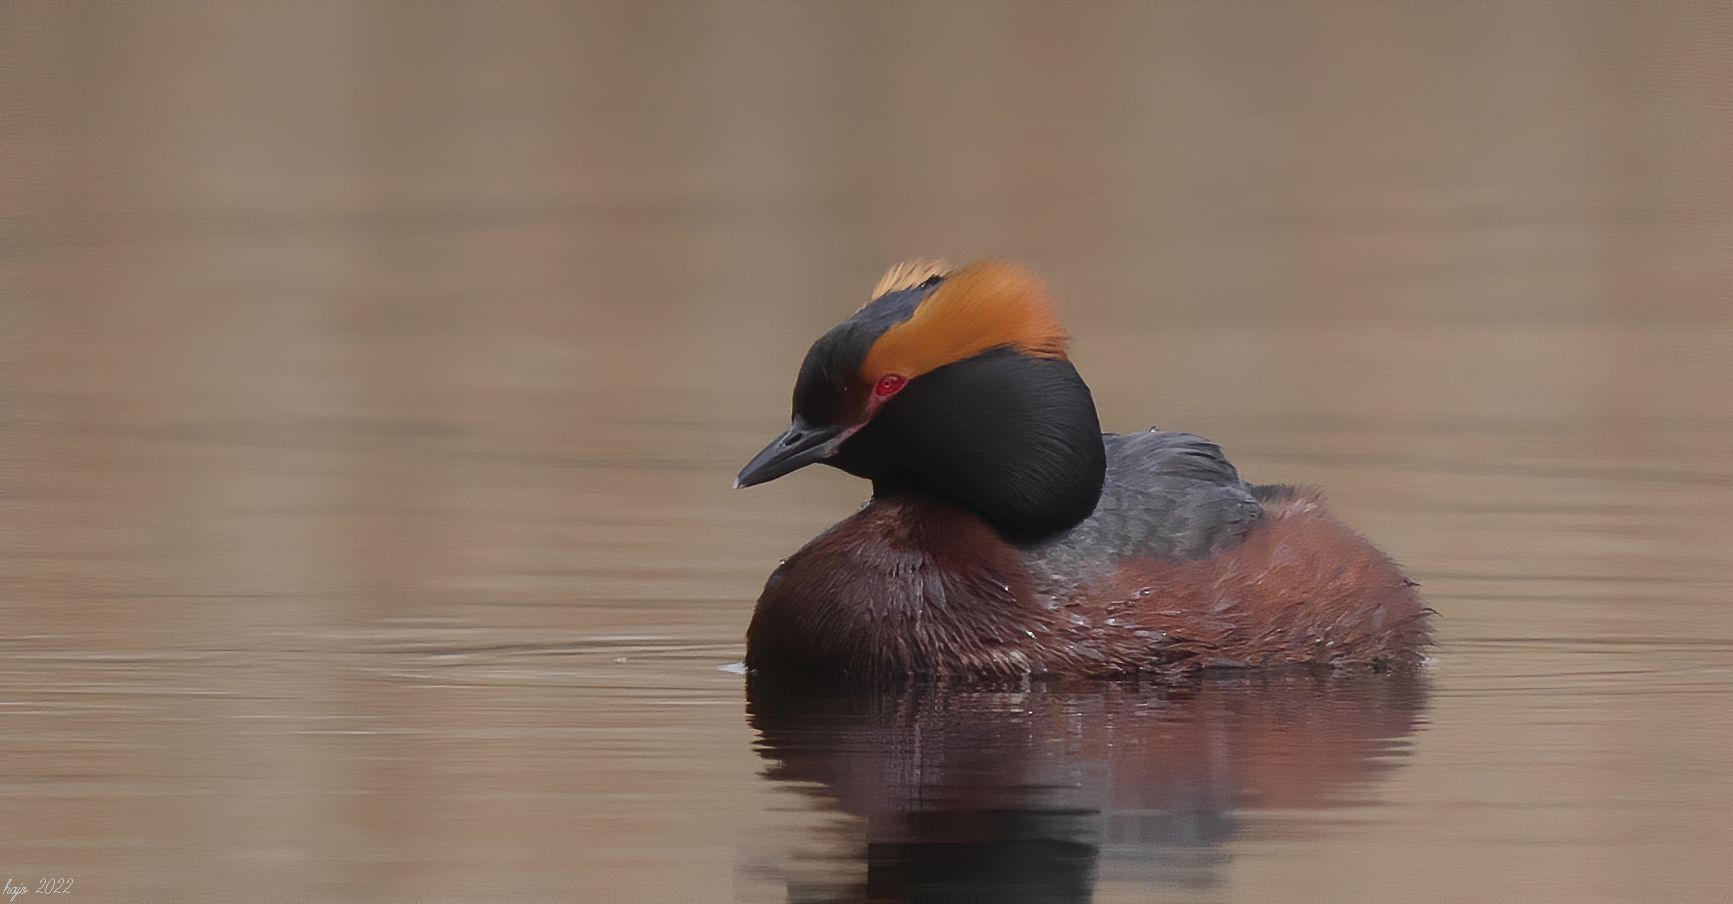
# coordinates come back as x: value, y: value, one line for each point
x: 796, y: 448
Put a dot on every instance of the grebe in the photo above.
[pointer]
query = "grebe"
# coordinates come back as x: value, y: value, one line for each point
x: 1008, y: 536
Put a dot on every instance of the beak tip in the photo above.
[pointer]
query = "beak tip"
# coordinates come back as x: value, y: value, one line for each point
x: 737, y: 483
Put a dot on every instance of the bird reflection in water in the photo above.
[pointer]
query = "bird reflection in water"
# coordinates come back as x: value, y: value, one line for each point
x: 1036, y: 793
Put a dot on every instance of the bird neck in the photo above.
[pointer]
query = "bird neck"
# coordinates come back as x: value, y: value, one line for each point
x: 1013, y: 438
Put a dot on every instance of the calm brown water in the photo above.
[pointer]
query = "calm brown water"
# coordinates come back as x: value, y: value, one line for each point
x: 374, y: 375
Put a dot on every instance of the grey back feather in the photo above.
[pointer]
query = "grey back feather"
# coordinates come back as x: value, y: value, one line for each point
x: 1167, y: 496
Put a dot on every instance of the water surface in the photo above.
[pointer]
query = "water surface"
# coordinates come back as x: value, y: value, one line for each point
x: 374, y: 376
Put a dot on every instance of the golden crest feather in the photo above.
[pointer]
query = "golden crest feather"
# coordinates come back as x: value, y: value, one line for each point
x: 908, y: 275
x: 985, y: 305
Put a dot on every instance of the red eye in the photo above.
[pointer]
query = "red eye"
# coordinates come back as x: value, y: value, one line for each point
x: 889, y: 385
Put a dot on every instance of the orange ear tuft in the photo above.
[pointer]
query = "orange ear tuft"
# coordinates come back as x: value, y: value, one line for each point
x: 986, y: 305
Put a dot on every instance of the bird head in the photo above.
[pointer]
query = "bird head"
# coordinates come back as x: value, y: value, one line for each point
x: 954, y: 384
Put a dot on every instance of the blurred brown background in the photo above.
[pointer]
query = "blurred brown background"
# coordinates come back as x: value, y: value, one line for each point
x: 374, y: 374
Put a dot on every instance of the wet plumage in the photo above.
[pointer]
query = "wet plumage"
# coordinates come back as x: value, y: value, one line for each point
x: 1007, y: 535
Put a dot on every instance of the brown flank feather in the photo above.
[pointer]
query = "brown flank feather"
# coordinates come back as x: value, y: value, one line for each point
x: 914, y: 587
x: 1303, y: 588
x: 986, y: 305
